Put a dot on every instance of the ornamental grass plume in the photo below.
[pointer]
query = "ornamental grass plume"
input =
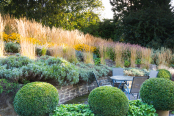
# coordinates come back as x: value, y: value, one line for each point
x: 146, y: 57
x: 27, y: 48
x: 102, y: 53
x: 88, y: 55
x: 1, y: 37
x: 118, y: 57
x: 133, y: 56
x: 164, y: 56
x: 11, y: 26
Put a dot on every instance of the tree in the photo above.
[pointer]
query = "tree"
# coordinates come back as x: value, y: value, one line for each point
x: 148, y: 23
x: 68, y: 14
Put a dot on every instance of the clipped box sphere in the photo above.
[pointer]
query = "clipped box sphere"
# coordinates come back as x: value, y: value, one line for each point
x: 36, y: 99
x: 163, y: 73
x: 159, y: 92
x: 108, y: 101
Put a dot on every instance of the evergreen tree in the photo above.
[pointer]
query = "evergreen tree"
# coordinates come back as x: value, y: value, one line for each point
x: 144, y: 22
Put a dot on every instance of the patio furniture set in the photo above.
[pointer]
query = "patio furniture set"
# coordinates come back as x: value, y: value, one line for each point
x: 122, y: 81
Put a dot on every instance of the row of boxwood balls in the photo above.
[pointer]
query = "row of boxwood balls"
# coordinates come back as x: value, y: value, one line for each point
x: 40, y: 98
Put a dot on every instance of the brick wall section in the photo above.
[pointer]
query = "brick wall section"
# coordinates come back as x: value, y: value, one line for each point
x: 69, y: 92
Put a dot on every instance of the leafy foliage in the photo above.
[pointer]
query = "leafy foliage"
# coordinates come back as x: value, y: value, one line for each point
x: 138, y: 108
x: 37, y: 98
x: 163, y: 73
x: 12, y: 47
x: 144, y: 22
x: 56, y: 70
x: 73, y: 110
x: 68, y: 14
x: 136, y: 72
x: 8, y: 87
x: 15, y: 62
x: 108, y: 101
x: 159, y: 92
x: 85, y: 71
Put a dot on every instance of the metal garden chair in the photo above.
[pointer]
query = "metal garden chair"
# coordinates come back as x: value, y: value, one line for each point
x: 136, y: 84
x: 153, y: 74
x: 98, y: 83
x: 118, y: 72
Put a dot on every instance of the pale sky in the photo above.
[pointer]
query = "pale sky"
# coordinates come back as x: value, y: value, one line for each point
x: 107, y: 13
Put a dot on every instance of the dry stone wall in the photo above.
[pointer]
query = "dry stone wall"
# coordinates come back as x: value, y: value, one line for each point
x: 70, y: 92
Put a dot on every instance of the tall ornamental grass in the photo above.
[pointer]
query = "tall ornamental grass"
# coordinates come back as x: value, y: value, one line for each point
x: 1, y: 37
x: 61, y: 43
x: 27, y: 48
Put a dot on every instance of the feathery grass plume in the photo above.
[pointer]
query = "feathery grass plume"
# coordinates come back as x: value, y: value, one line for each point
x: 133, y: 56
x: 118, y: 57
x: 88, y: 55
x: 56, y: 51
x: 164, y: 56
x: 146, y: 57
x: 11, y: 26
x: 27, y: 48
x: 1, y: 37
x: 102, y: 53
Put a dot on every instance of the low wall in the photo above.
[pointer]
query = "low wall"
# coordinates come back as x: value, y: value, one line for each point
x: 69, y: 92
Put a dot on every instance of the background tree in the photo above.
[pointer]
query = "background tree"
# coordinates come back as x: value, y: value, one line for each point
x: 144, y: 22
x: 69, y: 14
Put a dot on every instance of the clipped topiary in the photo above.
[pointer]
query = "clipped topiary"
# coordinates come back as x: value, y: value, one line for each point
x: 36, y: 99
x: 159, y: 92
x: 163, y: 73
x: 108, y: 101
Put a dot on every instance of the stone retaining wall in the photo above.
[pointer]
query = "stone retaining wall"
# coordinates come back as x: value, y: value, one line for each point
x: 67, y: 93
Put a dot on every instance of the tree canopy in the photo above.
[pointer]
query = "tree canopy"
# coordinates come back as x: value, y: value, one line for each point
x: 145, y: 22
x: 69, y: 14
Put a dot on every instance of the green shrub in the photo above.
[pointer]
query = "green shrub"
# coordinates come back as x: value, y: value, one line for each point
x: 8, y: 87
x: 42, y: 51
x: 127, y: 63
x: 138, y: 108
x: 15, y: 61
x: 12, y: 47
x: 136, y: 72
x: 36, y: 99
x: 97, y: 61
x: 73, y: 110
x: 85, y: 71
x: 163, y: 73
x: 13, y: 74
x: 159, y: 92
x: 108, y: 101
x: 138, y: 61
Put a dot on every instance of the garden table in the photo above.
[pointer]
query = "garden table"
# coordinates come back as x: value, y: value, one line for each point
x: 121, y: 78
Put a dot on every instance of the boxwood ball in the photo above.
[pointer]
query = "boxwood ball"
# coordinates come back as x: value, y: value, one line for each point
x: 163, y: 73
x: 159, y: 92
x: 108, y: 101
x: 36, y: 99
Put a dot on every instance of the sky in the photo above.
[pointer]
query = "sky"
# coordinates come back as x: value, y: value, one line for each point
x: 107, y: 13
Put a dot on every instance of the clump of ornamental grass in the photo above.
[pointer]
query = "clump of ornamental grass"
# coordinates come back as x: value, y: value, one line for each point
x: 11, y: 26
x: 102, y: 53
x: 164, y: 56
x: 133, y: 56
x: 27, y: 48
x: 146, y: 57
x: 1, y: 37
x: 118, y: 57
